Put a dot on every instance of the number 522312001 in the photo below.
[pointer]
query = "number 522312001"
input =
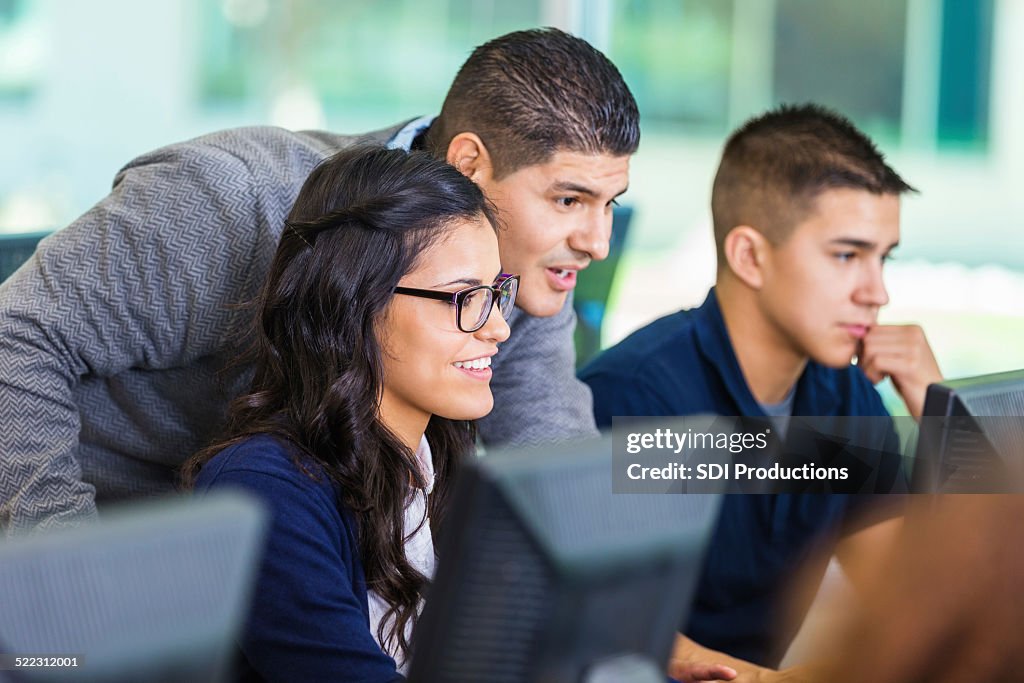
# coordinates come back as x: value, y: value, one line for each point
x: 10, y: 662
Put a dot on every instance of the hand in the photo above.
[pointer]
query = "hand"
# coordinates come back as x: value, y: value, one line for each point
x: 793, y: 675
x: 692, y: 672
x: 902, y: 353
x: 691, y: 662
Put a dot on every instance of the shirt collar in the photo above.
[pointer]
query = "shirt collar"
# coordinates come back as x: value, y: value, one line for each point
x: 715, y: 346
x: 815, y: 394
x: 425, y: 460
x: 404, y: 137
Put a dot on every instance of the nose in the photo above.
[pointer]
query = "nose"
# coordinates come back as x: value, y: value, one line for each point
x: 594, y: 235
x: 496, y: 329
x: 872, y: 291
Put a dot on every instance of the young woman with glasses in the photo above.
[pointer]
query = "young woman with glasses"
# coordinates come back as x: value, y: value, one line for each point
x: 372, y: 346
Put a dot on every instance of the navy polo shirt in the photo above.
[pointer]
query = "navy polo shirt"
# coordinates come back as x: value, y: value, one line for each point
x: 684, y: 364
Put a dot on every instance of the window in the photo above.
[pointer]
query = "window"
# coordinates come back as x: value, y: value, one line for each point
x: 363, y: 59
x: 845, y: 55
x: 22, y: 49
x: 676, y: 58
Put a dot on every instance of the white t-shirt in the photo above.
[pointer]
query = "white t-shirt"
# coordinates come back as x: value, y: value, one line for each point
x: 419, y: 547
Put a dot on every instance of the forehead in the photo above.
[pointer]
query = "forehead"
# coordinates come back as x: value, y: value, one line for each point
x: 468, y: 250
x: 601, y: 172
x: 844, y: 213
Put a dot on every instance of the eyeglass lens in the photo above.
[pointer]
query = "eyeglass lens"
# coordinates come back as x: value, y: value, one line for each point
x: 477, y: 304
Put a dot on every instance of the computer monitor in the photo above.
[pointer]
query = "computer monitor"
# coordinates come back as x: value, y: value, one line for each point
x: 16, y: 249
x: 153, y: 593
x: 972, y: 436
x: 594, y: 287
x: 545, y: 575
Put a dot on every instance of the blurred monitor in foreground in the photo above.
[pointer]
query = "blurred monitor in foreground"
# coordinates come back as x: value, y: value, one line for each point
x: 972, y: 436
x: 153, y: 592
x: 546, y: 575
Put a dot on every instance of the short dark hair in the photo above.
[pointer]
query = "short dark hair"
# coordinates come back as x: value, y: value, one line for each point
x: 775, y: 165
x: 530, y: 94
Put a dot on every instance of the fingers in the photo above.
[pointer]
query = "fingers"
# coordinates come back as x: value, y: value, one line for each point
x: 686, y: 672
x: 901, y: 352
x: 869, y: 365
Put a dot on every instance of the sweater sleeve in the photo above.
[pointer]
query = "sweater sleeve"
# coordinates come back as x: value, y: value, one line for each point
x: 144, y: 280
x: 537, y: 397
x: 307, y: 621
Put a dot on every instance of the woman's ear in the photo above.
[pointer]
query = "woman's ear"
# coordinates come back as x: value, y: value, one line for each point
x: 467, y: 153
x: 746, y: 252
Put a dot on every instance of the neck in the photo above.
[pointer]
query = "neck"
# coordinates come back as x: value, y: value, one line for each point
x: 770, y: 364
x: 408, y: 425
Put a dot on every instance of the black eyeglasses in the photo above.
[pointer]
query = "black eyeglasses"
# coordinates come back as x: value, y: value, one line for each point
x: 473, y: 305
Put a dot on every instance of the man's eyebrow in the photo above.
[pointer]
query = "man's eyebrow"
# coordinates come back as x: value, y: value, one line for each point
x: 570, y: 186
x: 854, y: 242
x: 866, y: 245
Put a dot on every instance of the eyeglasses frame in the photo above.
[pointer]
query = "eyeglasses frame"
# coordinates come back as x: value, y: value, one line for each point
x: 456, y: 298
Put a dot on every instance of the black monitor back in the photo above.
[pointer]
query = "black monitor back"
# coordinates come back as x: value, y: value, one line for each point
x: 972, y: 435
x: 546, y: 575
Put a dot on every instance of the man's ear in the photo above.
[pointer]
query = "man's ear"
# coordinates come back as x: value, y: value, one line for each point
x: 467, y: 153
x: 746, y: 251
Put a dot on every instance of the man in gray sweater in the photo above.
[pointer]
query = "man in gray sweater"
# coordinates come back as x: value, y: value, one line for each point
x: 116, y: 338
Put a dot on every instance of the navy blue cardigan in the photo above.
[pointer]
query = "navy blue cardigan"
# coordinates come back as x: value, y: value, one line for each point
x: 309, y: 619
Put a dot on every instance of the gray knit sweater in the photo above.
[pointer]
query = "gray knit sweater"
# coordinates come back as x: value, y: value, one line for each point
x: 115, y: 336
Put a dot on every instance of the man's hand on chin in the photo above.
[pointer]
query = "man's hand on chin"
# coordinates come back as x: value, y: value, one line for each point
x: 902, y: 353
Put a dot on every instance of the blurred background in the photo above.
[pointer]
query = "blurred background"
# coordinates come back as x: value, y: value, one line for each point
x: 86, y: 86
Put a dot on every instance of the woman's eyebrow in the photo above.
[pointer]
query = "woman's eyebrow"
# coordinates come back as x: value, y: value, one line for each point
x: 472, y: 282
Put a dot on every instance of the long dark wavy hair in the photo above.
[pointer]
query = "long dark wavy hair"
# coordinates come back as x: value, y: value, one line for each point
x: 360, y: 222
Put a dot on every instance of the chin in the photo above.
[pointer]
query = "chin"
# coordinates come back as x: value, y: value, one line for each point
x: 544, y: 307
x: 474, y: 411
x: 837, y: 360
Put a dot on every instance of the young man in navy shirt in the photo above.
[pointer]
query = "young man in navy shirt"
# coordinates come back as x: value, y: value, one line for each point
x: 806, y: 212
